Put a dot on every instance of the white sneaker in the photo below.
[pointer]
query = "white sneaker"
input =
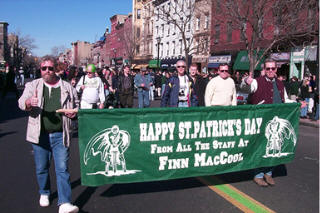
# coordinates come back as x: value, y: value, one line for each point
x: 68, y: 208
x: 44, y: 201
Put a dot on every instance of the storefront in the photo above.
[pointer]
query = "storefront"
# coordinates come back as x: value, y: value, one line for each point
x: 154, y: 64
x: 242, y: 63
x: 215, y: 61
x: 202, y: 62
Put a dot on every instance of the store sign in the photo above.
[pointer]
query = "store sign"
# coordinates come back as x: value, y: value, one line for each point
x: 220, y: 59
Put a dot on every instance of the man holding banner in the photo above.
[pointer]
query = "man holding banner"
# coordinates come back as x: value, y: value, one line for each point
x: 178, y: 91
x: 50, y: 132
x: 266, y: 89
x: 221, y: 90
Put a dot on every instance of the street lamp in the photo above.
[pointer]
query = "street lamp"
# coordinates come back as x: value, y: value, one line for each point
x: 158, y: 61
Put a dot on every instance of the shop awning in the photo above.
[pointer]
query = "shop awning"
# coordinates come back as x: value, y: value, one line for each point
x: 242, y: 61
x: 139, y: 66
x: 154, y: 63
x: 213, y: 65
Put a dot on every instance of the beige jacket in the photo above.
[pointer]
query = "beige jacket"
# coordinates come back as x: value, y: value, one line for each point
x: 69, y: 99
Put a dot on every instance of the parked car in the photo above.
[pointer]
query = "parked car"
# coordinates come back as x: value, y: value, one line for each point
x: 242, y: 98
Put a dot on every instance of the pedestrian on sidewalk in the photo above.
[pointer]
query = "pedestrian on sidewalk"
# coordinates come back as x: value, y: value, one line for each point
x: 304, y: 97
x: 50, y: 132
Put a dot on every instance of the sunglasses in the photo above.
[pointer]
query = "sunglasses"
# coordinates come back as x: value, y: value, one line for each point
x: 271, y: 68
x: 45, y: 68
x: 181, y: 66
x: 224, y: 70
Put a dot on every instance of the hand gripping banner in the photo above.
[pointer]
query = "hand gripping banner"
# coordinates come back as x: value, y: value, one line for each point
x: 137, y: 145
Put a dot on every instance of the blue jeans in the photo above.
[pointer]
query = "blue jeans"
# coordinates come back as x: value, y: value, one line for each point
x: 316, y: 117
x: 259, y: 172
x: 52, y: 144
x: 304, y: 110
x: 183, y: 104
x: 143, y: 98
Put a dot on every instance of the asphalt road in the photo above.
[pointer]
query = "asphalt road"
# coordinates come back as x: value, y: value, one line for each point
x: 296, y: 190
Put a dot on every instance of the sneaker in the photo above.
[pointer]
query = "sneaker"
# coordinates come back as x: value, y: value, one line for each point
x: 260, y: 182
x: 269, y: 180
x: 68, y: 208
x: 44, y: 201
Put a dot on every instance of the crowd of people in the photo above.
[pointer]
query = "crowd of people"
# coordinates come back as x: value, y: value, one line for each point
x: 60, y: 87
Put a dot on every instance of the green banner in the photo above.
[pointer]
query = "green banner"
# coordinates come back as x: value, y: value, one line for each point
x: 136, y: 145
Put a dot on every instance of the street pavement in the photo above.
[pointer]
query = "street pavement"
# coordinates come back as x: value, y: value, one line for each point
x: 296, y: 190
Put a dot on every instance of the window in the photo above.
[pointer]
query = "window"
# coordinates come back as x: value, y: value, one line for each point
x: 162, y: 29
x: 218, y: 6
x: 157, y: 30
x: 138, y: 32
x: 198, y: 23
x: 173, y: 48
x: 180, y: 46
x: 158, y: 13
x: 243, y: 31
x: 188, y: 26
x: 217, y: 35
x: 168, y: 29
x: 138, y: 14
x: 174, y: 29
x: 206, y: 21
x: 168, y: 48
x: 229, y: 31
x: 138, y: 49
x: 161, y: 49
x: 206, y: 44
x: 197, y: 47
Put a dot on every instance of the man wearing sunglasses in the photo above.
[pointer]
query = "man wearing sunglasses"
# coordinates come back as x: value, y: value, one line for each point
x: 221, y: 90
x: 178, y: 91
x: 266, y: 89
x: 50, y: 132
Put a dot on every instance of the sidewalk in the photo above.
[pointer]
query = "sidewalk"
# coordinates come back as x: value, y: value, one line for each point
x: 308, y: 122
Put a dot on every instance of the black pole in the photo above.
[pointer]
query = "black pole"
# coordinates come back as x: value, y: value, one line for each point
x: 158, y: 62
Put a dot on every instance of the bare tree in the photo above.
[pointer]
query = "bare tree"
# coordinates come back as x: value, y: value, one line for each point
x: 273, y: 24
x: 179, y: 14
x: 56, y: 50
x: 21, y: 47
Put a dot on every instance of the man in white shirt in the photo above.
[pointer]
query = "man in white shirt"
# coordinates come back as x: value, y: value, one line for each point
x: 92, y: 90
x: 221, y: 90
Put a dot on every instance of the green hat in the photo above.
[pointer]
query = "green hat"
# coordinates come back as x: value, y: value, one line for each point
x: 93, y: 68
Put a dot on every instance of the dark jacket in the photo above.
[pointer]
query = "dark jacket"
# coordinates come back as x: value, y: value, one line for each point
x: 121, y: 83
x: 171, y: 93
x: 199, y: 88
x: 265, y: 91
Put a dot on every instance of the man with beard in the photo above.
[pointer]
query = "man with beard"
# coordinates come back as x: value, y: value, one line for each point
x: 50, y: 132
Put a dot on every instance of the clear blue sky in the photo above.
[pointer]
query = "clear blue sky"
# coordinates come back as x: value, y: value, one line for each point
x: 60, y: 22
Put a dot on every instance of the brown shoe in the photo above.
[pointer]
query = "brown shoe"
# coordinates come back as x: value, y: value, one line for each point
x: 269, y: 180
x: 260, y: 182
